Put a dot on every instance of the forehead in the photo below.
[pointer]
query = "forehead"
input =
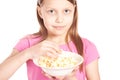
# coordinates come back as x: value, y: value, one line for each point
x: 57, y: 3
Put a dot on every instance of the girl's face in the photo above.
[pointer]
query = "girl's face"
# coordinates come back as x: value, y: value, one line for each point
x: 57, y: 16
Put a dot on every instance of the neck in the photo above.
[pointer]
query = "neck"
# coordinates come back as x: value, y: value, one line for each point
x: 57, y: 39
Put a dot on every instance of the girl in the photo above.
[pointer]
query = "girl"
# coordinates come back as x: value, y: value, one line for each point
x: 58, y: 30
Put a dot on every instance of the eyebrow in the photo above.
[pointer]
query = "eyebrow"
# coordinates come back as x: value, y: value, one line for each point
x: 68, y: 7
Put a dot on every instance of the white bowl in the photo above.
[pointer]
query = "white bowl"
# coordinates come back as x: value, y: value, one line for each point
x: 61, y: 71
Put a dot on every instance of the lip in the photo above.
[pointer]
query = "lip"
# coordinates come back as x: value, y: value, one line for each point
x: 59, y: 27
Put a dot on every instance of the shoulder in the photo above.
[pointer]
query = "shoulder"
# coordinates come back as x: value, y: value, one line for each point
x: 31, y: 38
x: 87, y: 42
x: 90, y: 51
x: 27, y: 41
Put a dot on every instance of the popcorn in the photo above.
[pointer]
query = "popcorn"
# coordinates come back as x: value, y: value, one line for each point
x: 59, y: 62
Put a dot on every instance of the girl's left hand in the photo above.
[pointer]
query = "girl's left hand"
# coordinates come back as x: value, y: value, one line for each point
x: 54, y: 77
x: 71, y: 76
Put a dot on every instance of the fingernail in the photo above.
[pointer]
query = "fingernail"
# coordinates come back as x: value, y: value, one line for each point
x: 58, y: 52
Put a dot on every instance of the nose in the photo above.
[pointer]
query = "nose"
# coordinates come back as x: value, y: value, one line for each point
x: 59, y: 18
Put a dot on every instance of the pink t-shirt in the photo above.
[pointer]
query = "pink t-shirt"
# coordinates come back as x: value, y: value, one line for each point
x: 35, y: 73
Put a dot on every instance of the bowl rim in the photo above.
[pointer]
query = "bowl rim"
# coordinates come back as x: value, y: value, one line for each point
x: 35, y: 61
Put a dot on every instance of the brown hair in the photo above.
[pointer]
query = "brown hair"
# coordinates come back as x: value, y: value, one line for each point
x: 72, y: 32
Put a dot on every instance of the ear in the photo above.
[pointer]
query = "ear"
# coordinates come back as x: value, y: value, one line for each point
x: 39, y: 11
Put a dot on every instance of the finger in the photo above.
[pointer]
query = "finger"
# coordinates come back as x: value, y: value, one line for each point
x: 53, y: 77
x: 73, y: 72
x: 60, y: 77
x: 53, y: 45
x: 50, y: 52
x: 77, y: 68
x: 50, y: 77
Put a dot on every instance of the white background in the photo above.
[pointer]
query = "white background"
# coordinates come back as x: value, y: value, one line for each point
x: 99, y: 21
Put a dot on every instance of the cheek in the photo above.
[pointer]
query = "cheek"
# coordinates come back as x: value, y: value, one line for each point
x: 48, y: 21
x: 69, y: 20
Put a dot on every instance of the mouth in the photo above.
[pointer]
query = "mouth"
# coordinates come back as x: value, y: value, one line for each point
x: 59, y: 27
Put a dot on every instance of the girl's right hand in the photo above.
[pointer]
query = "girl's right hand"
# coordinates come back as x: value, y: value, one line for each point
x: 44, y: 48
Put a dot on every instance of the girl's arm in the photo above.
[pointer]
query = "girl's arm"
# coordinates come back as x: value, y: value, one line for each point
x: 11, y: 64
x: 16, y: 59
x: 92, y: 71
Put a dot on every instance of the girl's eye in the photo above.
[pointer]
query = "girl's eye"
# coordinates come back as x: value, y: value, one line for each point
x: 66, y: 11
x: 51, y: 11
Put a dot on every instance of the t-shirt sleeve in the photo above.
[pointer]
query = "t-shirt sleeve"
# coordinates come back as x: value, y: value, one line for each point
x: 22, y: 44
x: 90, y: 52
